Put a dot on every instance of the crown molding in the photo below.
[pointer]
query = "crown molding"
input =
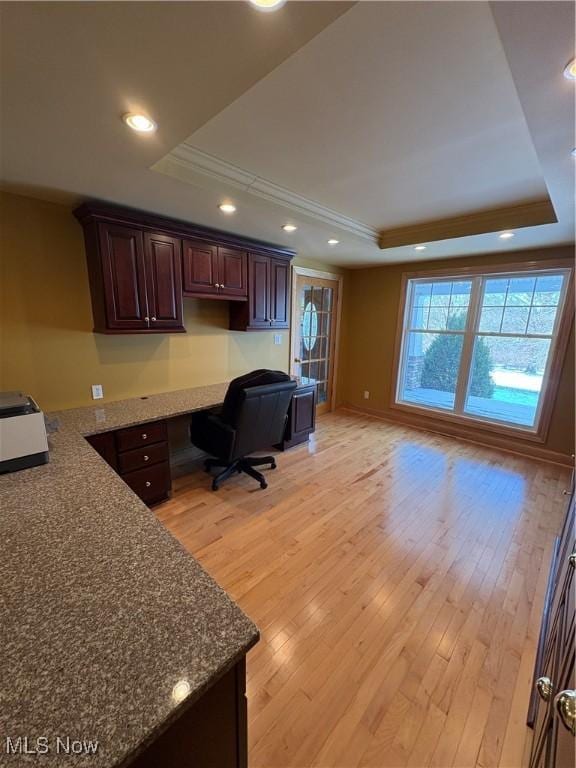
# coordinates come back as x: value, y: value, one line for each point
x: 512, y: 217
x: 192, y: 159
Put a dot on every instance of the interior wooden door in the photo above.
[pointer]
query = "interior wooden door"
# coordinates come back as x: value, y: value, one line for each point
x: 314, y: 336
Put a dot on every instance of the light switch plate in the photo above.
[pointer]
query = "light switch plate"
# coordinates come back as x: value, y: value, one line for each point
x: 97, y: 392
x: 278, y: 339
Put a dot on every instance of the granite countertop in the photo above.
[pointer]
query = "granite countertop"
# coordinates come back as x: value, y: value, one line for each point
x: 103, y: 611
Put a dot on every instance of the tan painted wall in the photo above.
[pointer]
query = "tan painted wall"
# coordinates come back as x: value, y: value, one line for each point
x: 47, y: 347
x: 371, y: 306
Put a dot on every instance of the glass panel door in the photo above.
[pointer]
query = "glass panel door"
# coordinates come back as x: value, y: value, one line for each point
x: 314, y: 340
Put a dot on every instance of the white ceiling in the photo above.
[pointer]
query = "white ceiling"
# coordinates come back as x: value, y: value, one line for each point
x: 384, y: 113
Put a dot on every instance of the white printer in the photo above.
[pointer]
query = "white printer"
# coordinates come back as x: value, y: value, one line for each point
x: 23, y: 441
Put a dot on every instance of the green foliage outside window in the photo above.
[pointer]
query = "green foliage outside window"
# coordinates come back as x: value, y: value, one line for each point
x: 442, y: 360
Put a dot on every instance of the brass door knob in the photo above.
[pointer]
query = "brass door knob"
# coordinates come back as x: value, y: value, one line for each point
x: 565, y: 703
x: 544, y: 688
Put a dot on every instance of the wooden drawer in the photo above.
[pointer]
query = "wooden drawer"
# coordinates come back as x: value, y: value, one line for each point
x: 142, y: 457
x: 152, y: 484
x: 145, y: 434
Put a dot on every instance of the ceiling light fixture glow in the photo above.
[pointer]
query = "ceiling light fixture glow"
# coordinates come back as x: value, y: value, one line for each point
x: 506, y: 235
x: 227, y: 208
x: 267, y: 5
x: 570, y: 70
x: 419, y: 247
x: 332, y: 241
x: 289, y: 227
x: 139, y: 123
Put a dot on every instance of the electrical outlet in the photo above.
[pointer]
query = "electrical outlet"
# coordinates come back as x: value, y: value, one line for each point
x: 97, y: 392
x: 278, y: 339
x: 366, y: 395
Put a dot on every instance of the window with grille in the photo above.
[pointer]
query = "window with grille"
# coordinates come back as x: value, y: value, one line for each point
x: 481, y: 346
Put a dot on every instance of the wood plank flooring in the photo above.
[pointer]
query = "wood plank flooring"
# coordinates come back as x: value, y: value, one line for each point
x: 397, y: 578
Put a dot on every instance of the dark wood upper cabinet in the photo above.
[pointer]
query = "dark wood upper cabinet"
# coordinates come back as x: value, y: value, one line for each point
x: 209, y: 270
x: 232, y: 273
x: 164, y: 281
x: 199, y: 268
x: 268, y: 296
x: 279, y: 293
x: 122, y: 304
x: 140, y: 266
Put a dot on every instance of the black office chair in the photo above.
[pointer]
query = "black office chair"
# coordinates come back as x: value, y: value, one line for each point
x: 253, y: 418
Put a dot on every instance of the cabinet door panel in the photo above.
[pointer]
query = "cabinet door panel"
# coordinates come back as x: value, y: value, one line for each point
x: 279, y: 293
x: 164, y: 281
x: 259, y: 290
x: 232, y: 272
x: 200, y: 268
x: 124, y: 279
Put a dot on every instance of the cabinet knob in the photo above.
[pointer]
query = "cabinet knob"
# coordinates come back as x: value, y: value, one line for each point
x: 565, y: 703
x: 222, y: 285
x: 544, y: 688
x: 146, y: 458
x: 153, y: 319
x: 217, y: 285
x: 144, y: 436
x: 147, y: 319
x: 148, y: 483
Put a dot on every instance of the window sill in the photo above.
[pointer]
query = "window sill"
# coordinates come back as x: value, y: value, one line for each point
x: 472, y: 423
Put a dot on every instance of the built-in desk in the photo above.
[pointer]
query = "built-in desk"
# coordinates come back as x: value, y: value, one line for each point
x: 112, y: 633
x: 132, y: 435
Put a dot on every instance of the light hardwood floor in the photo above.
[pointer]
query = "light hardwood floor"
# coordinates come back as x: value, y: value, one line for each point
x: 397, y: 578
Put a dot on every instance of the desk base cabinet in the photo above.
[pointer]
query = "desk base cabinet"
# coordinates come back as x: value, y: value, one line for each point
x: 212, y: 733
x: 301, y: 421
x: 141, y: 457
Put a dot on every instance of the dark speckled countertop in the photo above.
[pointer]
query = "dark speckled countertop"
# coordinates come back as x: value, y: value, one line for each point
x: 103, y: 612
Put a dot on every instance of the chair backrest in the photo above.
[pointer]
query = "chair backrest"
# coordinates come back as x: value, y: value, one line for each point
x: 257, y: 409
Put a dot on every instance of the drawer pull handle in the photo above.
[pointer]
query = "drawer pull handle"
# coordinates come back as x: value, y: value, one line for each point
x: 146, y: 457
x: 144, y: 436
x: 565, y: 703
x: 544, y: 688
x: 148, y: 483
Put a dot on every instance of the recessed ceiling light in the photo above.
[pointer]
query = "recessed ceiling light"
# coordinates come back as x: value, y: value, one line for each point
x: 570, y: 70
x: 227, y: 208
x: 419, y: 247
x: 332, y: 241
x: 267, y: 5
x: 139, y: 123
x: 289, y: 227
x: 506, y: 235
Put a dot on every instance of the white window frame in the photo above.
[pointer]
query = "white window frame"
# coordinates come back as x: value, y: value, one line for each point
x: 478, y: 276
